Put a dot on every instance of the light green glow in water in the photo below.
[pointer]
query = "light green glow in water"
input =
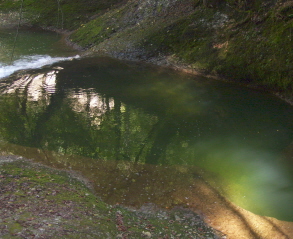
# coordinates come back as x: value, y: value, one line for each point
x: 254, y: 180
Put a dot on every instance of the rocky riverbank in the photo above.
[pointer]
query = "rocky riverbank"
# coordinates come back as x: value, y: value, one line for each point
x: 41, y: 202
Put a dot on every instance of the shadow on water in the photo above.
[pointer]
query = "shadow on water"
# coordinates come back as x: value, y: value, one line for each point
x: 145, y: 134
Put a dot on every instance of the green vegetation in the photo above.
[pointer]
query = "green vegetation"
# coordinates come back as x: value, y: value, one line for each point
x: 245, y: 41
x: 62, y: 14
x: 250, y: 46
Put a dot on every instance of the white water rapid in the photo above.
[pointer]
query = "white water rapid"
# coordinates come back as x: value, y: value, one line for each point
x: 30, y: 62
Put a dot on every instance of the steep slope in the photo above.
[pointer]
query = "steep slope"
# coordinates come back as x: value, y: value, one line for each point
x: 248, y: 43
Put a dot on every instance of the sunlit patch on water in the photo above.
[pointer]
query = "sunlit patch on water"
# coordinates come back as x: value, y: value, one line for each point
x: 252, y: 178
x: 91, y: 103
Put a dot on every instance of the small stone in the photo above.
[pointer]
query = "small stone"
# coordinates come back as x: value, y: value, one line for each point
x: 147, y: 234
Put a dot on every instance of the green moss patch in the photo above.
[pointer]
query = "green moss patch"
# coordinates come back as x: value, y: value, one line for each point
x: 245, y: 45
x: 62, y: 14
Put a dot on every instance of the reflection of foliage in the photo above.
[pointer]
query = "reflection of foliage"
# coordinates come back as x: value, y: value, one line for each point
x: 141, y: 117
x: 67, y: 132
x: 131, y: 128
x: 122, y: 133
x: 18, y: 119
x: 111, y: 130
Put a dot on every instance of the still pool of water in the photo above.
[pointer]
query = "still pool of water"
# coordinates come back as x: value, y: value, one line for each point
x: 146, y: 134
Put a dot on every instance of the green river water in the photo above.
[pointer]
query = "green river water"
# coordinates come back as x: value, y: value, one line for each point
x: 129, y: 126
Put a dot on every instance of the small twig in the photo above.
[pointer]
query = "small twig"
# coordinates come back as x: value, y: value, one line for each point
x: 17, y: 31
x: 61, y: 12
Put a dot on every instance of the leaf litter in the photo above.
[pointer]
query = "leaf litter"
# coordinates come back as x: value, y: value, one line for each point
x: 41, y: 202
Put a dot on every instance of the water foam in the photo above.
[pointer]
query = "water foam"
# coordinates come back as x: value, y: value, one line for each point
x: 30, y: 62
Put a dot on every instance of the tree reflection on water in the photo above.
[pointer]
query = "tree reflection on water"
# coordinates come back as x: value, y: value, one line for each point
x: 140, y: 136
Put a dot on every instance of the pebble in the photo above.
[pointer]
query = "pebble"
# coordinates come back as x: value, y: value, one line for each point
x: 147, y: 234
